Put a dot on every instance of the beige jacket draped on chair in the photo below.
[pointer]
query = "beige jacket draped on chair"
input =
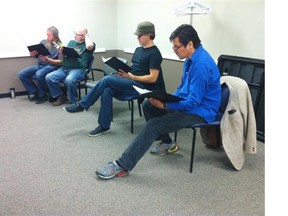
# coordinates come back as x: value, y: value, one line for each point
x: 238, y: 125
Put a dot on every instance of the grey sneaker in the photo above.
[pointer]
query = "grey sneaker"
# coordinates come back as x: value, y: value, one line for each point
x: 164, y: 148
x: 111, y: 170
x: 98, y: 131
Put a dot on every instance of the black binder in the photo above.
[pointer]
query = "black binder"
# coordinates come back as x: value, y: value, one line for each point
x: 40, y: 48
x: 117, y: 64
x: 70, y: 52
x: 159, y: 95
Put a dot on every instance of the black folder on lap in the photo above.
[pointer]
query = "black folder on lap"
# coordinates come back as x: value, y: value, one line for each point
x: 40, y: 48
x: 159, y: 95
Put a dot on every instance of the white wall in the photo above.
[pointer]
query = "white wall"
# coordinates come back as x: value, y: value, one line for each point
x: 234, y: 27
x: 29, y: 19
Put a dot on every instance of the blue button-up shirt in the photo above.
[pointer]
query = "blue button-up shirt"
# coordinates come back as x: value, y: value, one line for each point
x: 200, y: 86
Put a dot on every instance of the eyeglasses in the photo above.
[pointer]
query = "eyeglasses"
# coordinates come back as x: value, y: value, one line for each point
x: 79, y: 34
x: 175, y: 48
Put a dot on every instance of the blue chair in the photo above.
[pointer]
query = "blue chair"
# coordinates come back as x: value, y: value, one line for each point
x: 224, y: 101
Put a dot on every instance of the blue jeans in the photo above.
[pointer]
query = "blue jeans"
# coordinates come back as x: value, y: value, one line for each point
x: 38, y: 73
x: 108, y: 87
x: 70, y: 77
x: 153, y: 129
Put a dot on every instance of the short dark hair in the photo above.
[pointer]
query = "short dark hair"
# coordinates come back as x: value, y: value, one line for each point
x: 152, y: 36
x: 186, y: 33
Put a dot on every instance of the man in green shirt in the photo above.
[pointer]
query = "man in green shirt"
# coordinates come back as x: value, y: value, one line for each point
x: 72, y: 70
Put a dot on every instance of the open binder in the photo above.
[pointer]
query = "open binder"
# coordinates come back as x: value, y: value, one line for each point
x: 159, y: 95
x: 116, y: 64
x: 70, y: 52
x: 40, y: 48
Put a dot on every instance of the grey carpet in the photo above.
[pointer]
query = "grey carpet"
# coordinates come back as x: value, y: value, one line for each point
x: 47, y: 165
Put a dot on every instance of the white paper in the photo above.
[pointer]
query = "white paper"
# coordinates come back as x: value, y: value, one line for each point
x: 140, y: 90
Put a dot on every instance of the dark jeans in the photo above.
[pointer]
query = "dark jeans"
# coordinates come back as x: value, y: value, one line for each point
x: 155, y: 128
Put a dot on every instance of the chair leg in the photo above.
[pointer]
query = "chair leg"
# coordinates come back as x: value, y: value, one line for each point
x: 112, y: 111
x: 192, y: 149
x: 175, y: 136
x: 129, y: 105
x: 219, y: 138
x: 139, y: 108
x: 132, y: 115
x: 79, y: 91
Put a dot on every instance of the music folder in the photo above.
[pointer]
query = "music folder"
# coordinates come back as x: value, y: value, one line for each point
x: 159, y: 95
x: 117, y: 64
x: 70, y: 52
x: 40, y: 48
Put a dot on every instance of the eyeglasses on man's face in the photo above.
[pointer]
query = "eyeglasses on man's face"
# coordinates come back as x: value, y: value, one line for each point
x: 176, y: 48
x: 80, y: 35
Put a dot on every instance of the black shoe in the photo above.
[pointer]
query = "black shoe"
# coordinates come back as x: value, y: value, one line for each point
x: 73, y: 108
x: 98, y: 131
x: 42, y: 99
x: 35, y: 97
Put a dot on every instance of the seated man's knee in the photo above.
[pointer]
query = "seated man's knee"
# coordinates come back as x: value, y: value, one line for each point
x: 48, y: 77
x: 39, y: 75
x: 69, y: 81
x: 20, y: 75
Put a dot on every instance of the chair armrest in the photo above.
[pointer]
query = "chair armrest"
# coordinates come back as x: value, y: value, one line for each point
x: 92, y: 72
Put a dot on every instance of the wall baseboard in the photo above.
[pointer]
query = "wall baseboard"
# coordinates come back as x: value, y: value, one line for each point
x: 16, y: 93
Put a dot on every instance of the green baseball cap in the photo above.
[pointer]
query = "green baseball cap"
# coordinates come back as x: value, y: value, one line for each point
x: 145, y: 28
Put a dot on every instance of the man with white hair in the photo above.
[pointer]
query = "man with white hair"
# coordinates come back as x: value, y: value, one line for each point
x: 72, y: 70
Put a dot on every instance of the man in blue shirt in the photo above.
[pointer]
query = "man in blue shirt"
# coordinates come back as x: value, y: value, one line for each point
x: 200, y: 87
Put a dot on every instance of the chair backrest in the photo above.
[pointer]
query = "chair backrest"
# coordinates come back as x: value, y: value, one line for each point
x: 161, y: 81
x: 90, y: 63
x: 89, y: 67
x: 225, y: 93
x: 108, y: 70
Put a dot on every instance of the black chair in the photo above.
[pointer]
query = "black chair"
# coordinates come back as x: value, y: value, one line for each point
x: 82, y: 84
x: 90, y: 83
x: 139, y: 99
x: 110, y: 71
x: 224, y: 101
x: 130, y: 100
